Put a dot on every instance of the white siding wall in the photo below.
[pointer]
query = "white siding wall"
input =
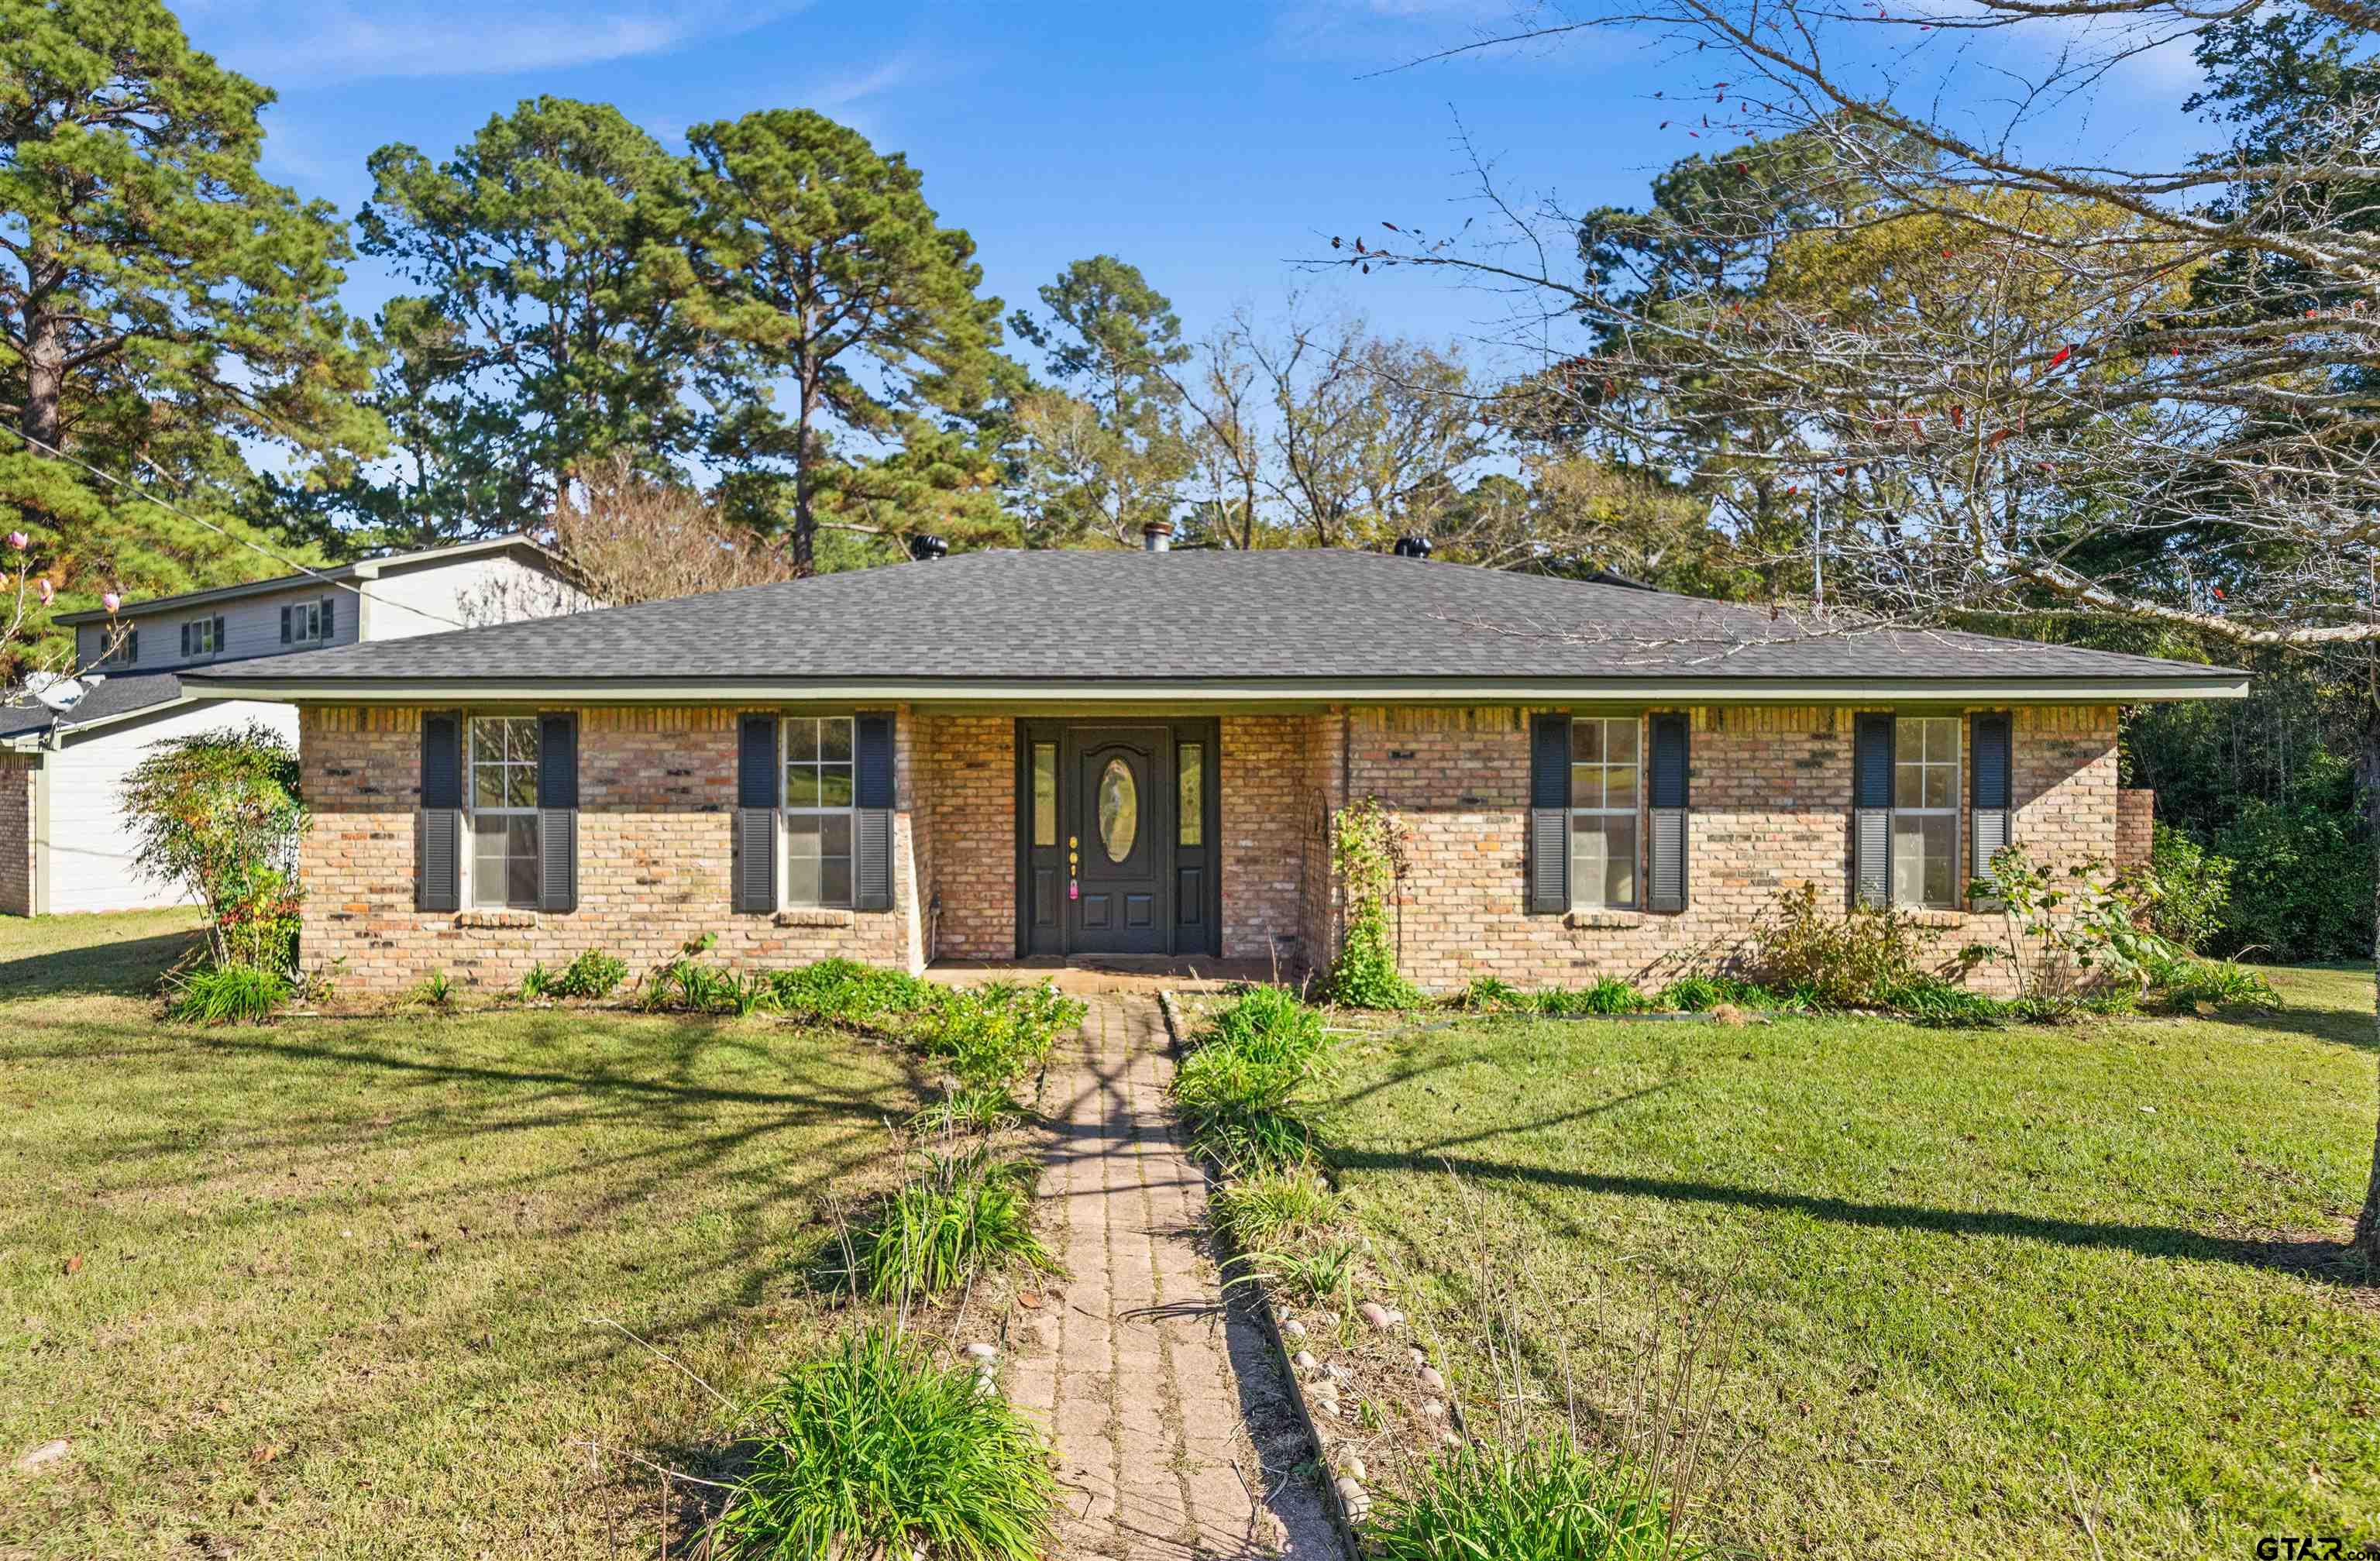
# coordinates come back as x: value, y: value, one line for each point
x: 87, y: 855
x: 251, y: 628
x: 432, y: 598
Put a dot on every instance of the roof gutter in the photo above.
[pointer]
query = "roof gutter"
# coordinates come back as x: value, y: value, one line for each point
x: 1281, y: 692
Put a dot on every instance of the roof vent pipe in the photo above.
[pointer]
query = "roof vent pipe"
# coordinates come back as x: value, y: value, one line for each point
x: 1413, y: 547
x: 925, y: 547
x: 1157, y: 537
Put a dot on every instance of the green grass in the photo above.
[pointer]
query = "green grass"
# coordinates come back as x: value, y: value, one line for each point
x: 336, y: 1277
x: 1547, y: 1500
x: 2004, y: 1293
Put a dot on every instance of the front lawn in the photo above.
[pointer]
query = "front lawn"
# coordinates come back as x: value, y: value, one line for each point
x: 331, y: 1287
x: 2022, y: 1292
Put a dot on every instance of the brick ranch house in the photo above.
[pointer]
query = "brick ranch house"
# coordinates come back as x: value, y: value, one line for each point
x: 1011, y: 755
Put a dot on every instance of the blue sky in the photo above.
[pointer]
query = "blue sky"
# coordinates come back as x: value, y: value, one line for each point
x: 1214, y: 145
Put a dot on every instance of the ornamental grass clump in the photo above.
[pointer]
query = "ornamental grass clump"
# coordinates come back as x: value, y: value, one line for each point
x: 230, y: 993
x: 968, y: 1214
x: 1275, y: 1210
x: 874, y: 1451
x: 1241, y: 1088
x: 1547, y: 1500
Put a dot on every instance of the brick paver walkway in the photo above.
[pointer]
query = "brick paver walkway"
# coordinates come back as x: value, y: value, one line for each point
x: 1129, y: 1363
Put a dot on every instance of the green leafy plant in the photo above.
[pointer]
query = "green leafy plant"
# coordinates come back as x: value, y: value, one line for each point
x: 1609, y: 995
x: 1322, y: 1275
x: 1368, y: 856
x: 1275, y: 1209
x: 2089, y: 926
x: 848, y: 993
x: 2189, y: 983
x: 1700, y: 994
x: 967, y: 1214
x: 2196, y: 888
x: 1547, y: 1500
x: 996, y: 1032
x: 1487, y: 994
x: 1932, y: 1000
x: 434, y: 992
x: 216, y: 814
x: 227, y: 994
x: 592, y: 975
x: 1838, y: 959
x: 978, y: 1107
x: 2301, y: 885
x: 536, y: 983
x: 872, y: 1450
x: 1242, y: 1086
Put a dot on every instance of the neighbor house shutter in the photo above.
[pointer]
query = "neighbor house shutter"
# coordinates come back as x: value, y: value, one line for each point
x: 219, y: 635
x: 330, y: 617
x: 1991, y: 750
x: 1872, y: 806
x: 557, y: 810
x: 1666, y: 869
x: 1548, y: 841
x: 755, y: 815
x: 186, y: 640
x: 871, y: 822
x: 440, y: 876
x: 284, y: 626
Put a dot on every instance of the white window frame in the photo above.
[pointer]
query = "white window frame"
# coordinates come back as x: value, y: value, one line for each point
x: 203, y: 637
x: 1634, y: 725
x: 119, y: 652
x: 306, y: 621
x: 823, y: 768
x: 1923, y: 765
x: 474, y: 810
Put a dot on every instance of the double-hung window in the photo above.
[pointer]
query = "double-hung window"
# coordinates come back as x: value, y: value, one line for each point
x: 1605, y: 765
x: 309, y: 622
x: 1926, y: 812
x: 817, y: 804
x: 121, y: 649
x: 503, y: 793
x: 203, y: 637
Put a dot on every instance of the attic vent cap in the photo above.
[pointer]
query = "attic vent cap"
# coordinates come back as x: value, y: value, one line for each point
x: 1413, y: 547
x: 925, y: 547
x: 1157, y: 537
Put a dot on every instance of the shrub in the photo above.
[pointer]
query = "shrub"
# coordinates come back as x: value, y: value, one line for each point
x: 998, y: 1030
x: 874, y: 1451
x: 228, y: 994
x: 591, y: 975
x: 2301, y: 885
x: 1547, y: 1500
x: 846, y: 992
x: 1838, y: 959
x: 967, y: 1214
x: 2194, y: 889
x: 1277, y: 1208
x: 217, y: 814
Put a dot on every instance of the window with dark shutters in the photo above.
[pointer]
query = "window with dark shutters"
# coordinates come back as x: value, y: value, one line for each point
x: 1666, y: 789
x: 873, y: 803
x: 557, y: 810
x: 330, y: 617
x: 439, y: 874
x: 755, y: 885
x: 1547, y: 850
x: 1992, y: 746
x: 1872, y: 809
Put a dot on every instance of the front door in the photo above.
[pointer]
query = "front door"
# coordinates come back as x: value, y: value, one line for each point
x: 1116, y: 838
x: 1116, y: 826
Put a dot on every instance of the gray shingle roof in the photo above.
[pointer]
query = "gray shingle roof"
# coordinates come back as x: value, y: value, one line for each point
x: 1121, y: 616
x: 110, y: 697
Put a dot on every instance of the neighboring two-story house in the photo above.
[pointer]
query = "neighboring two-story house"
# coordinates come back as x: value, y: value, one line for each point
x: 64, y: 842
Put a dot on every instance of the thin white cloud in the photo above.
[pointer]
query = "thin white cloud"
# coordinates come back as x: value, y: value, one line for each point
x: 305, y: 46
x: 841, y: 92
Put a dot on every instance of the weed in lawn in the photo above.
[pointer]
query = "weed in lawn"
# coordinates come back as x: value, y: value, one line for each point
x: 1547, y: 1500
x: 875, y: 1451
x: 967, y: 1214
x: 1276, y: 1209
x: 232, y: 994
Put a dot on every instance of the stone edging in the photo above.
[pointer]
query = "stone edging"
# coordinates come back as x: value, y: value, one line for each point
x: 1335, y: 1499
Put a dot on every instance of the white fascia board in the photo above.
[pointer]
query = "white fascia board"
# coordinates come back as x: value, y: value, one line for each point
x: 1286, y: 692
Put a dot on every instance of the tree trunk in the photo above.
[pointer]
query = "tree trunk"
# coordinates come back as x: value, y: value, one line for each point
x: 2367, y: 1224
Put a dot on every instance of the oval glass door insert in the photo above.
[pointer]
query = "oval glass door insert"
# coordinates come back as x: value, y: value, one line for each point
x: 1119, y: 809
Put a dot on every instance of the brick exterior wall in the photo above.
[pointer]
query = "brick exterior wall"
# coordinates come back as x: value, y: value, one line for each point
x: 2135, y: 827
x: 1771, y: 810
x: 17, y: 834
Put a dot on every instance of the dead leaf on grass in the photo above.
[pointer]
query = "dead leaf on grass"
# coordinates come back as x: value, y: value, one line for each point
x: 74, y: 1263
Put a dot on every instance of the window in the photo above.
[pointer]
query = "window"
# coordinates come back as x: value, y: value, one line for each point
x: 1190, y: 785
x: 1926, y: 812
x: 308, y: 622
x: 1603, y: 785
x: 818, y: 810
x: 203, y: 637
x: 122, y: 651
x: 1045, y: 794
x: 502, y: 793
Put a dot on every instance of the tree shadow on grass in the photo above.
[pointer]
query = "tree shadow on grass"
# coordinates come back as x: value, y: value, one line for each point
x: 129, y: 967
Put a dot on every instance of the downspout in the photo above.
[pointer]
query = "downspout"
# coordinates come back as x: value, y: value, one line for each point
x: 39, y: 865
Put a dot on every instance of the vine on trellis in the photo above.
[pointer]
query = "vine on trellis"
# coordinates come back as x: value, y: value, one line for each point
x: 1367, y: 857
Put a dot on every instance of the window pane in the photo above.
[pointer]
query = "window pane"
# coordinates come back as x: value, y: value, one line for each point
x: 835, y: 880
x: 1908, y: 785
x: 835, y: 739
x: 834, y: 834
x: 802, y: 880
x: 1938, y: 778
x: 1586, y: 742
x: 521, y: 784
x: 1619, y: 861
x: 1118, y: 810
x: 1045, y: 794
x: 802, y: 838
x: 1908, y: 861
x: 1620, y: 785
x: 487, y: 886
x: 487, y: 786
x: 834, y: 785
x: 801, y: 739
x: 520, y: 743
x: 1191, y: 773
x: 1620, y: 741
x: 801, y: 786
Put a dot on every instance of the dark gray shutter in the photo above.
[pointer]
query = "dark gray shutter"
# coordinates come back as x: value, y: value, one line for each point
x: 872, y: 800
x: 284, y: 626
x: 1666, y: 868
x: 186, y: 639
x: 755, y: 887
x: 1991, y: 752
x: 557, y: 810
x: 1872, y: 806
x: 329, y: 616
x: 219, y: 635
x: 439, y: 885
x: 1549, y: 844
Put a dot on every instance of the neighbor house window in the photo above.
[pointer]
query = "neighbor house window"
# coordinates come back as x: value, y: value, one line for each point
x: 1926, y: 812
x: 203, y: 637
x: 818, y: 810
x: 309, y: 622
x: 1603, y: 785
x: 120, y: 652
x: 504, y: 759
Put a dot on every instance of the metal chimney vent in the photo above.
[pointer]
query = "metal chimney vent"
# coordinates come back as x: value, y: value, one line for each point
x: 925, y: 547
x: 1413, y: 547
x: 1158, y: 536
